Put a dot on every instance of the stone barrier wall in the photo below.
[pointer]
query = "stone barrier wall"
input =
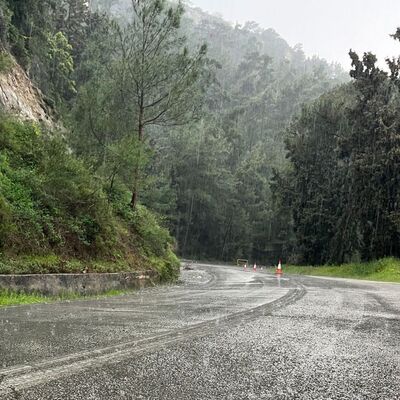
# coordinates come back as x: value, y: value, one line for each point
x: 83, y: 284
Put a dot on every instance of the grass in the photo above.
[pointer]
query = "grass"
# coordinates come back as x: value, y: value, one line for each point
x: 11, y: 298
x: 385, y: 270
x: 53, y: 264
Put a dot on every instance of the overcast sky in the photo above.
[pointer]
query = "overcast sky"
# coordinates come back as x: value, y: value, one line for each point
x: 328, y: 28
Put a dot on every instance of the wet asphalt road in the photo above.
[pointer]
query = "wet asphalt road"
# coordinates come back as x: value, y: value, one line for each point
x: 221, y: 333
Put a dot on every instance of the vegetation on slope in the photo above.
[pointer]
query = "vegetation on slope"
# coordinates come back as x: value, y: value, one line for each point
x: 56, y: 216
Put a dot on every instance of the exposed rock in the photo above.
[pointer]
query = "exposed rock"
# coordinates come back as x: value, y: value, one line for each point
x: 19, y: 96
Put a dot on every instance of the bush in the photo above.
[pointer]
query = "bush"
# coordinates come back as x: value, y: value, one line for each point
x: 6, y: 62
x: 156, y: 239
x: 5, y: 219
x: 167, y: 266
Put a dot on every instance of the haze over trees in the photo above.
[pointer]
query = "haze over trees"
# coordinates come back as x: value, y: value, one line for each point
x: 236, y: 142
x: 218, y: 170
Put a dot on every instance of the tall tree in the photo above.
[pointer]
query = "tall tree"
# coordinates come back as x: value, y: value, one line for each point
x: 157, y: 74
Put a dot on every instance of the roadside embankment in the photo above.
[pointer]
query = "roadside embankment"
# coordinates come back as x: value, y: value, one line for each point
x: 12, y: 298
x: 81, y: 284
x: 31, y: 289
x: 385, y: 270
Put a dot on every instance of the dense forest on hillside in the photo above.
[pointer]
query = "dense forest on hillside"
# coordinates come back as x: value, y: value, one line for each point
x: 212, y: 177
x: 59, y: 211
x: 237, y: 143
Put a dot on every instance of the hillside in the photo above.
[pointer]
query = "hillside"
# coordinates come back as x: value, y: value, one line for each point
x: 214, y: 178
x: 228, y: 43
x: 56, y: 213
x: 190, y: 119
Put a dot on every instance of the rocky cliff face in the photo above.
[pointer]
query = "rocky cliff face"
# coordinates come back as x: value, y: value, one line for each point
x: 20, y: 97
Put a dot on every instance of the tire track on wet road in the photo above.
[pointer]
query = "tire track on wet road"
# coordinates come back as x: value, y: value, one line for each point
x: 18, y: 378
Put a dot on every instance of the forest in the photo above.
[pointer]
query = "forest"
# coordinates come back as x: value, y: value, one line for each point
x: 177, y: 132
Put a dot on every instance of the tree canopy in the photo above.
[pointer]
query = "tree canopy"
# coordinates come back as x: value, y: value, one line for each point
x: 243, y: 146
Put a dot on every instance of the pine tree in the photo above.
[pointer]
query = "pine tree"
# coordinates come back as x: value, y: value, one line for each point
x: 158, y: 74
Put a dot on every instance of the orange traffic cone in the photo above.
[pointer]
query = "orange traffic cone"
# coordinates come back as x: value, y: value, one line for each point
x: 278, y: 270
x: 255, y: 267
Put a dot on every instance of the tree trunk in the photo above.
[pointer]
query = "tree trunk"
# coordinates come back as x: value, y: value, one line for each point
x: 188, y: 225
x: 134, y: 198
x: 135, y: 189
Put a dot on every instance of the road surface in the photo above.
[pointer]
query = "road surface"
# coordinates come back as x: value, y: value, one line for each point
x: 221, y: 333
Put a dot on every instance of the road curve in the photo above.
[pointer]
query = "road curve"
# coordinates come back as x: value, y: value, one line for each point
x: 221, y: 333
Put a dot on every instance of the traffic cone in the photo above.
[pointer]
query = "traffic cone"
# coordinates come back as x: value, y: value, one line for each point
x: 245, y: 267
x: 278, y: 270
x: 255, y: 267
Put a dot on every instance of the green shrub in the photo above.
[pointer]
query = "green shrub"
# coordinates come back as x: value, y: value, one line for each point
x: 5, y: 221
x: 167, y: 266
x: 6, y: 62
x: 156, y: 239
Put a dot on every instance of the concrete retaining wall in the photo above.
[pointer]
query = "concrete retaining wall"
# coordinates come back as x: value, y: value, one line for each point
x: 84, y: 284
